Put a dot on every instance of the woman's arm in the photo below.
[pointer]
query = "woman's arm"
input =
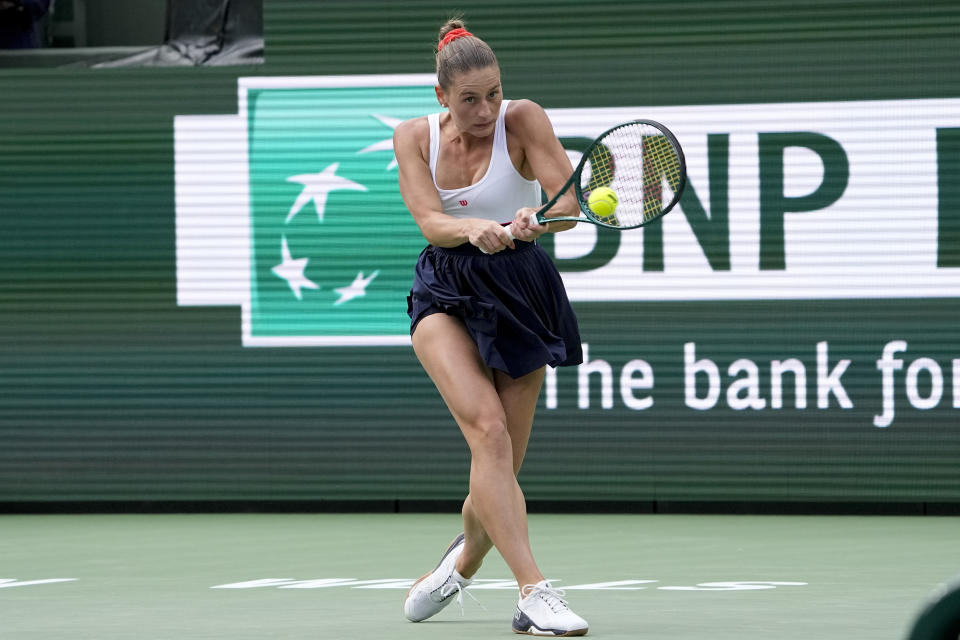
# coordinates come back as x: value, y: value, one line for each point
x: 546, y: 158
x: 420, y: 195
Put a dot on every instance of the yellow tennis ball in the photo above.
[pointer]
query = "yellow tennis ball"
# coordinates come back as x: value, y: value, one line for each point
x: 603, y: 201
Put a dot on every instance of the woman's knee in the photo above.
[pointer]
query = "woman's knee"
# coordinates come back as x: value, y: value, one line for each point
x: 488, y: 436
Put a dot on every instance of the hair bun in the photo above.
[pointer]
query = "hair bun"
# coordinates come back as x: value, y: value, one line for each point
x: 450, y: 25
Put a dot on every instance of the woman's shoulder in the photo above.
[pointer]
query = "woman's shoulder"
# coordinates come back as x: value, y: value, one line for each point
x: 413, y: 129
x: 522, y: 112
x: 526, y: 118
x: 414, y: 134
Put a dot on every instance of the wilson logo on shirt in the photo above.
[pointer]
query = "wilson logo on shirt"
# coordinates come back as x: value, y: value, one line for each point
x: 463, y: 203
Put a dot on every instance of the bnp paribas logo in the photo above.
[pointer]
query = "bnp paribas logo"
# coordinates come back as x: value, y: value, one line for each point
x: 291, y: 209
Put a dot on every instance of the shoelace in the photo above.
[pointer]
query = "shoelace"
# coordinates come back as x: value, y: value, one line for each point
x: 448, y: 589
x: 553, y: 597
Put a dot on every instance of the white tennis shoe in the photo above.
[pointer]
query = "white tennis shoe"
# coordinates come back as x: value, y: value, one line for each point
x: 542, y: 611
x: 434, y: 591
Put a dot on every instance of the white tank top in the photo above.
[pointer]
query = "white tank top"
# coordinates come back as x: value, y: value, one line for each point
x: 501, y: 190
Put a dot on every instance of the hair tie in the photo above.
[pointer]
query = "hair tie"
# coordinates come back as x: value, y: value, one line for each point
x: 459, y: 32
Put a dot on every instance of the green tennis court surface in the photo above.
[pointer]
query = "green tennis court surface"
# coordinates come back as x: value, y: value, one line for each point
x: 344, y: 576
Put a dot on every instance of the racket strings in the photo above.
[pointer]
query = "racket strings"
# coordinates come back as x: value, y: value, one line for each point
x: 635, y: 161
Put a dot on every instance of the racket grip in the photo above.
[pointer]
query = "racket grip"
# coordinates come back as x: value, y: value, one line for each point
x: 532, y: 219
x: 509, y: 235
x: 509, y: 228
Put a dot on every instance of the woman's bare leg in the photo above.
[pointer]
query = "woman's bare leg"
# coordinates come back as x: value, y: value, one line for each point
x: 519, y: 399
x: 496, y: 504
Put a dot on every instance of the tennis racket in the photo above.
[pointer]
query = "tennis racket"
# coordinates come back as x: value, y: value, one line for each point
x: 634, y: 159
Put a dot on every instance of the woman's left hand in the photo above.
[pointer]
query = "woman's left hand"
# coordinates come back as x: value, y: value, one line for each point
x: 523, y: 228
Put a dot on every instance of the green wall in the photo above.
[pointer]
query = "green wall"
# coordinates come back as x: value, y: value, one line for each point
x: 111, y: 391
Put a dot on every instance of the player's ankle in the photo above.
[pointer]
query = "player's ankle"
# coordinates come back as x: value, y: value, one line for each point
x: 467, y: 569
x: 534, y: 578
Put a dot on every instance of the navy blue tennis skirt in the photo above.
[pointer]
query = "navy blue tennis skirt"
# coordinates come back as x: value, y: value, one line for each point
x: 513, y: 303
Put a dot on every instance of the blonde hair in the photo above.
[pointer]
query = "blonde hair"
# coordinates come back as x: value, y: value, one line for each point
x: 462, y: 54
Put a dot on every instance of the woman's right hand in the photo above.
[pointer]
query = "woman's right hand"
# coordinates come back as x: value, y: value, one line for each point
x: 488, y: 236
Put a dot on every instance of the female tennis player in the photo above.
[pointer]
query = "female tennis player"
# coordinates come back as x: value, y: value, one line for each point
x: 488, y: 313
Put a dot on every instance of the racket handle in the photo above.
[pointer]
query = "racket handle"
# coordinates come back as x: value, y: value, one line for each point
x: 509, y: 229
x: 532, y: 219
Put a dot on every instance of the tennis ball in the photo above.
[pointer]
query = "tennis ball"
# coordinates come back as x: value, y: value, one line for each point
x: 603, y: 201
